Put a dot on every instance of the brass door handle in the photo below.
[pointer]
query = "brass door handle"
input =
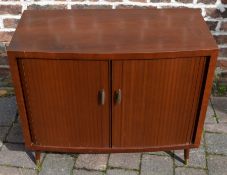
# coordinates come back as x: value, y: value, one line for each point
x: 101, y: 97
x: 117, y: 96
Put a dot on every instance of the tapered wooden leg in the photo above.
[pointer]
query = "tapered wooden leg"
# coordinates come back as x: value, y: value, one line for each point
x: 186, y: 156
x: 37, y: 157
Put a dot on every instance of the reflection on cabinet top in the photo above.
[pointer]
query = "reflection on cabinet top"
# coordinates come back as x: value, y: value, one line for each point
x: 111, y: 32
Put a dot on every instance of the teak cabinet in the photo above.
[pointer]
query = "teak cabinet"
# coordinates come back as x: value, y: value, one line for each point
x: 112, y: 80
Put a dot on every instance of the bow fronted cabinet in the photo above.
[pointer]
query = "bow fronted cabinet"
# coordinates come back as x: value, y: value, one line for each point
x: 101, y: 81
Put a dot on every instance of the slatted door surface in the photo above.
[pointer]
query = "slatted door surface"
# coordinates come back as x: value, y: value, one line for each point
x: 159, y: 101
x: 62, y: 102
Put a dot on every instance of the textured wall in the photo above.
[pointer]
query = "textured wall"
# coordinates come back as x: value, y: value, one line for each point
x: 213, y: 11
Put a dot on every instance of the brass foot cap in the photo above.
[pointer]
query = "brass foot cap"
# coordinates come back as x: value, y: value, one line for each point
x: 186, y: 162
x: 38, y: 163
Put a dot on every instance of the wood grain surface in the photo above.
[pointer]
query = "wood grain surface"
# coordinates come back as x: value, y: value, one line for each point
x: 159, y: 101
x: 105, y: 31
x: 62, y: 101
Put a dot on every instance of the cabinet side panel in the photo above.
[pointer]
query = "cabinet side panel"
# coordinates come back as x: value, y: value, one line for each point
x: 19, y: 97
x: 62, y: 102
x: 159, y: 101
x: 208, y: 81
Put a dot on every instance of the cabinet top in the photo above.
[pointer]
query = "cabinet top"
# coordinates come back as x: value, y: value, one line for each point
x: 131, y: 31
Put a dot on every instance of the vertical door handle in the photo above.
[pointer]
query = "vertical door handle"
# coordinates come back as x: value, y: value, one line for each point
x: 101, y: 97
x: 117, y: 96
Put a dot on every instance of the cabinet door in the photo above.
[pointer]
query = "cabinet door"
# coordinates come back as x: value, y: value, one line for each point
x: 63, y: 101
x: 159, y: 101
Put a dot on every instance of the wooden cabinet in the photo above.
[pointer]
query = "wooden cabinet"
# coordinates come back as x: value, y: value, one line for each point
x: 109, y: 81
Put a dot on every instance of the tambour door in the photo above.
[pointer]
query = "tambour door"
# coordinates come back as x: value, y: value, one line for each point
x: 155, y: 102
x: 67, y: 101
